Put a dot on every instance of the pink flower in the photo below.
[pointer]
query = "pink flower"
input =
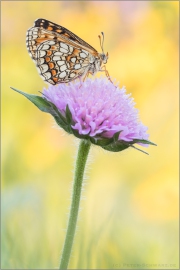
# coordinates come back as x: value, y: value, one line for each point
x: 95, y: 110
x: 99, y: 109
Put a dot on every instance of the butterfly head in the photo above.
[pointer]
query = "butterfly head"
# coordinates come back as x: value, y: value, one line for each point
x: 104, y: 57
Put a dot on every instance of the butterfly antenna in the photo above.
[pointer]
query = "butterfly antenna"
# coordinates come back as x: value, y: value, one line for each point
x: 101, y: 41
x: 102, y: 33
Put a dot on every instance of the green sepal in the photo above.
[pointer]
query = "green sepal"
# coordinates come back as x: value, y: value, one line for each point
x: 100, y: 141
x: 143, y: 142
x: 119, y: 145
x: 116, y: 146
x: 79, y: 136
x: 116, y: 136
x: 68, y: 115
x: 105, y: 141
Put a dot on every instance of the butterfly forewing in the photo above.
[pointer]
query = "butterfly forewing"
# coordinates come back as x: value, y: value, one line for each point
x: 59, y: 55
x: 65, y: 34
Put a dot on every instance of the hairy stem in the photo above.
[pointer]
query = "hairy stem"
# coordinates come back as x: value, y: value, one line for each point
x: 82, y: 155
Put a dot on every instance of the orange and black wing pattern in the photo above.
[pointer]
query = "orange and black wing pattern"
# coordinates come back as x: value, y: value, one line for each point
x: 59, y: 55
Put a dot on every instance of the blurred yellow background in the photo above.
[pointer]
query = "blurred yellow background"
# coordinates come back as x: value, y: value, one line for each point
x: 129, y: 216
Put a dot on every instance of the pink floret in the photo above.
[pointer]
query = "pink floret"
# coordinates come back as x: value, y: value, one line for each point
x: 98, y: 108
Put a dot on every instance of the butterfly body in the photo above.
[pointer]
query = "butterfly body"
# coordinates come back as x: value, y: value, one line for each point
x: 60, y: 55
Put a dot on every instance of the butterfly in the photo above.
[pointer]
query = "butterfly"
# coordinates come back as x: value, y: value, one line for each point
x: 60, y: 55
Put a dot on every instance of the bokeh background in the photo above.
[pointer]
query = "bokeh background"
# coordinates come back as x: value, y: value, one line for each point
x: 129, y: 211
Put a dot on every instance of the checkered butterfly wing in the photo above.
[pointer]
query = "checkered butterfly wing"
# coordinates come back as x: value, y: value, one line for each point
x: 59, y: 55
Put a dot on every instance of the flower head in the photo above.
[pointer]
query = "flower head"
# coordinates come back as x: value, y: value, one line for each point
x: 99, y: 110
x: 95, y: 110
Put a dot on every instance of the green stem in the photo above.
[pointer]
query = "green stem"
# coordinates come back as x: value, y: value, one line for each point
x: 76, y: 195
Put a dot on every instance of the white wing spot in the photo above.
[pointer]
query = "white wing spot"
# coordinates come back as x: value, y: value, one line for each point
x: 71, y: 49
x: 40, y: 61
x: 58, y: 53
x: 47, y: 75
x: 34, y: 30
x: 60, y: 63
x: 62, y: 74
x: 44, y: 68
x: 51, y: 42
x: 83, y: 55
x: 85, y: 52
x: 30, y: 42
x: 33, y: 36
x: 72, y: 75
x: 73, y: 59
x: 56, y: 58
x: 63, y: 45
x: 77, y: 66
x: 45, y: 47
x: 62, y: 68
x: 63, y: 50
x: 41, y: 54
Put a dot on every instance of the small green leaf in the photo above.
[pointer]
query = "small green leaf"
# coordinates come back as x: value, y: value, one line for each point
x: 116, y: 147
x: 139, y: 149
x: 80, y: 136
x: 142, y: 141
x: 105, y: 141
x: 101, y: 141
x: 116, y: 136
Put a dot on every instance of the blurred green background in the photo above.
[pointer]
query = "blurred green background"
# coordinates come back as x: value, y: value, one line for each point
x: 129, y: 216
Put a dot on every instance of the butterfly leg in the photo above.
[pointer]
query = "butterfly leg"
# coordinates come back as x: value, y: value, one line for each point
x: 80, y: 80
x: 106, y: 72
x: 83, y: 79
x: 84, y: 76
